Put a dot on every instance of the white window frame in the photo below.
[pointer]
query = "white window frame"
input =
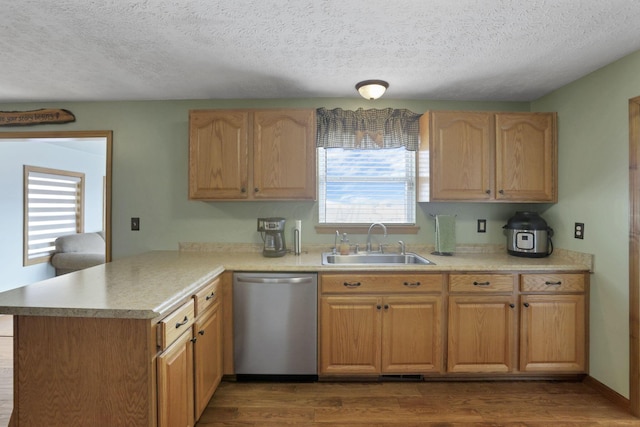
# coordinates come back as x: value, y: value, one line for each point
x: 325, y: 218
x: 53, y: 207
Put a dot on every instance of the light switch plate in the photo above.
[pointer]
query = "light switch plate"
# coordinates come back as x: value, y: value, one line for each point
x: 482, y: 226
x: 135, y: 224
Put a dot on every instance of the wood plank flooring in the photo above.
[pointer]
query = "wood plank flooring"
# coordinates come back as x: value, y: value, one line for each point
x: 387, y: 404
x: 407, y: 404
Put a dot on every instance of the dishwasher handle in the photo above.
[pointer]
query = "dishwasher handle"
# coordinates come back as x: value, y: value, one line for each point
x: 241, y: 279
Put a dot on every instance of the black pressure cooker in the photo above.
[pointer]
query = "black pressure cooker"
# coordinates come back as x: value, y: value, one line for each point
x: 528, y: 235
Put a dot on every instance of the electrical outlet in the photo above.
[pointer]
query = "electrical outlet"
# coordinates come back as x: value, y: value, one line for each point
x: 482, y: 226
x: 578, y: 230
x: 135, y: 224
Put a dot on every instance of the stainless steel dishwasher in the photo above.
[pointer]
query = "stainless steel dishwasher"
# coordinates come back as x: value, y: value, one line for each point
x: 275, y: 326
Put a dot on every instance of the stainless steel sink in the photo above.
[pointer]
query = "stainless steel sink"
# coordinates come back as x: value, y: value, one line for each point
x: 374, y: 258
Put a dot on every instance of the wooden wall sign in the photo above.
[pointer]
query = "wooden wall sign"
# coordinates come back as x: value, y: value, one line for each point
x: 36, y: 117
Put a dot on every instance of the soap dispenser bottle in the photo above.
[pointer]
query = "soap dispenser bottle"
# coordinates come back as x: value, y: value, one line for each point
x: 344, y: 245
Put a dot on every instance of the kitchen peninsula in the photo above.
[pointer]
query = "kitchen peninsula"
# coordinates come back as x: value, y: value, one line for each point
x: 87, y: 344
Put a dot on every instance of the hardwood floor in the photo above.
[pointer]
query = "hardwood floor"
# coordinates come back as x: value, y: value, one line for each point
x: 387, y: 404
x: 406, y: 404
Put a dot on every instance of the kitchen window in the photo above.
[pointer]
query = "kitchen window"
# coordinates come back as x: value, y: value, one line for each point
x: 365, y: 186
x: 367, y: 166
x: 53, y: 207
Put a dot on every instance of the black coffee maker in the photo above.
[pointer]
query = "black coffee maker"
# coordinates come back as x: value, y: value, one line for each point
x: 272, y: 230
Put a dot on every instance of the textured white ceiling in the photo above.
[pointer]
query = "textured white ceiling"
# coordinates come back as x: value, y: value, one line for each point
x: 56, y: 50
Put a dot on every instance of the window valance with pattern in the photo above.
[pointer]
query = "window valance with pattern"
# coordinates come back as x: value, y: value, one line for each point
x: 367, y: 129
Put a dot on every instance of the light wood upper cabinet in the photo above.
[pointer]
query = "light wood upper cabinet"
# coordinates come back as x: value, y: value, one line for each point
x: 486, y: 156
x: 461, y: 150
x: 218, y: 154
x: 252, y: 155
x: 526, y: 160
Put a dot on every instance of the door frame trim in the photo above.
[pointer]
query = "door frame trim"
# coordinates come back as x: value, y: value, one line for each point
x: 634, y: 256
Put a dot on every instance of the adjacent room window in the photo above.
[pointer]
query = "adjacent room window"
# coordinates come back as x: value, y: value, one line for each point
x: 367, y: 166
x: 53, y: 207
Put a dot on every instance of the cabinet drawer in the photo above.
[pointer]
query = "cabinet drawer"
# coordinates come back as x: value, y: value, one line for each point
x: 479, y: 283
x: 172, y: 326
x: 380, y: 283
x: 207, y: 296
x: 552, y: 282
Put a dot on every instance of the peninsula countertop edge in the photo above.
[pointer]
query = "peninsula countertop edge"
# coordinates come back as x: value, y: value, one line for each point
x: 150, y: 285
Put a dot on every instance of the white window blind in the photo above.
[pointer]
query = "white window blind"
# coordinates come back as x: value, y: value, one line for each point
x: 53, y: 207
x: 358, y: 186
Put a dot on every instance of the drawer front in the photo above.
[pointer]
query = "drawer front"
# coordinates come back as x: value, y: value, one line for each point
x: 561, y: 282
x: 479, y: 283
x: 381, y: 283
x: 207, y: 296
x: 172, y: 326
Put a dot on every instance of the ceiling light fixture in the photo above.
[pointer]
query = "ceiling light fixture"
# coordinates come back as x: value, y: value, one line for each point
x: 372, y: 89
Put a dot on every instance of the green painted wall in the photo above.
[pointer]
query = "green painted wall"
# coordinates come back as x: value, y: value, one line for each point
x: 594, y: 188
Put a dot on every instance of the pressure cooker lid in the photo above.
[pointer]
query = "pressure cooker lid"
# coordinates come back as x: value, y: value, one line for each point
x: 523, y: 220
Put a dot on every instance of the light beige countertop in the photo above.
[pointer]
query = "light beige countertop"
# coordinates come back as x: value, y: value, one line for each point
x: 147, y: 286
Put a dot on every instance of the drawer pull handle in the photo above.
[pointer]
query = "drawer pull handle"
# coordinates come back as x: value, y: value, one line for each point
x: 412, y: 284
x: 351, y: 284
x: 481, y: 283
x: 184, y: 322
x: 213, y: 295
x: 548, y: 283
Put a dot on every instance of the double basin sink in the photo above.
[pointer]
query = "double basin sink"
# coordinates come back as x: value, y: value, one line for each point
x: 329, y: 258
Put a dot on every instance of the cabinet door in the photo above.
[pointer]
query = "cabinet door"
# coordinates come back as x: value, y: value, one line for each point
x: 175, y: 383
x: 350, y: 335
x: 207, y: 357
x: 461, y: 155
x: 553, y: 333
x: 218, y: 154
x: 526, y: 165
x: 284, y: 154
x: 481, y: 334
x: 412, y: 334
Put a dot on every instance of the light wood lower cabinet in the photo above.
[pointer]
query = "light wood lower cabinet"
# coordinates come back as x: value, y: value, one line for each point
x: 481, y: 333
x: 553, y: 323
x: 175, y: 383
x: 190, y: 368
x: 364, y: 331
x: 207, y: 356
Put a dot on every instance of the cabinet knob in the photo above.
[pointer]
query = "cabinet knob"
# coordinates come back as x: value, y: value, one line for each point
x: 512, y: 305
x: 243, y: 190
x: 255, y: 190
x: 201, y: 332
x: 386, y: 306
x: 378, y: 306
x: 501, y: 191
x: 526, y: 304
x: 488, y: 191
x: 194, y: 339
